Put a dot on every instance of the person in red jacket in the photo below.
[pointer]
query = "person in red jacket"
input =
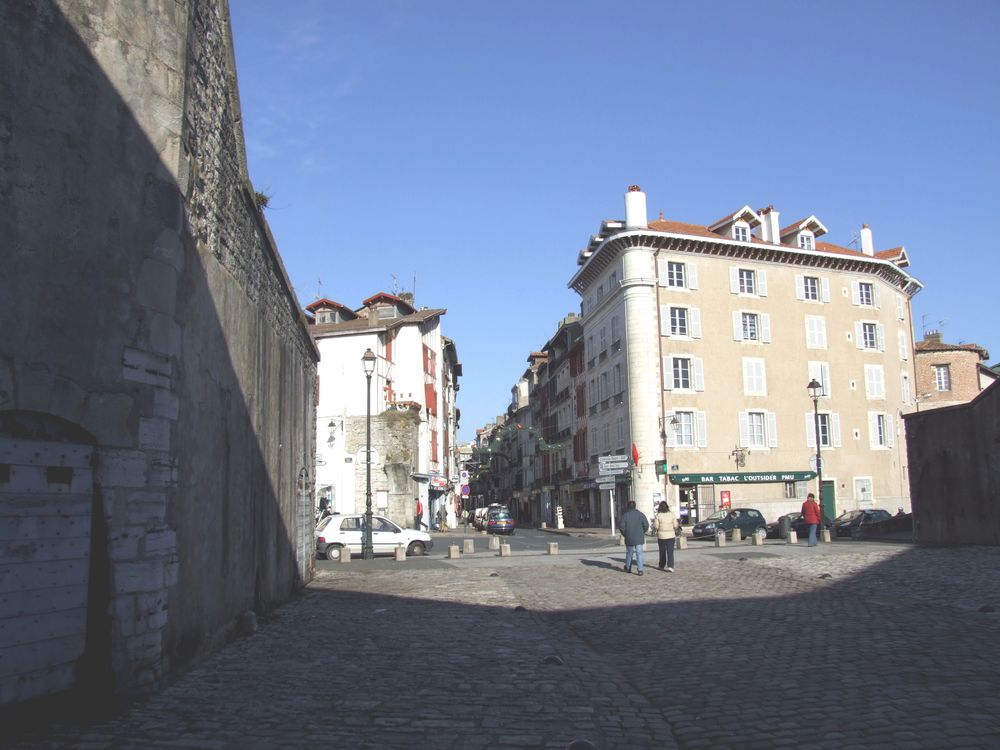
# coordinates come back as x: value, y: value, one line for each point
x: 811, y: 515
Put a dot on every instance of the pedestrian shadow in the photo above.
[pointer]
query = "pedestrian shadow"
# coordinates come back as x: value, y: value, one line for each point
x: 601, y: 563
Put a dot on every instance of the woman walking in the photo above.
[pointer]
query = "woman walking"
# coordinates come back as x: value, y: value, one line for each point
x: 666, y: 533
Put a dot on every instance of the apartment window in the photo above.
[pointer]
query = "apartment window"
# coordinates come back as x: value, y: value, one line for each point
x: 870, y: 336
x: 615, y: 333
x: 864, y: 294
x: 904, y: 346
x: 678, y: 321
x: 605, y: 389
x: 806, y: 241
x: 747, y: 281
x: 675, y: 274
x: 796, y: 490
x: 810, y: 288
x: 684, y: 429
x: 829, y: 430
x: 758, y: 429
x: 751, y: 326
x: 815, y: 332
x: 942, y: 377
x: 682, y: 372
x: 905, y: 394
x: 880, y: 430
x: 617, y: 379
x: 604, y: 339
x: 741, y: 233
x: 900, y: 307
x: 820, y: 372
x: 754, y: 379
x: 874, y: 381
x: 621, y: 431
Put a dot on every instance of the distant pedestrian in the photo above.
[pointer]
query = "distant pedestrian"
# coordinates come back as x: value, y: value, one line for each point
x: 418, y: 520
x: 634, y: 526
x: 666, y: 527
x: 811, y: 515
x: 442, y: 518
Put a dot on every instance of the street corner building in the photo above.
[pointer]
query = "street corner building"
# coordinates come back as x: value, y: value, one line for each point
x: 414, y: 416
x: 157, y: 396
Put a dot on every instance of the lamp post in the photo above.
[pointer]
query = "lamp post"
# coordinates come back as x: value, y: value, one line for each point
x: 367, y: 550
x: 815, y: 391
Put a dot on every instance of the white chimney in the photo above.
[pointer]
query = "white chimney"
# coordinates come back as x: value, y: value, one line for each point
x: 867, y: 247
x: 770, y: 229
x: 635, y: 208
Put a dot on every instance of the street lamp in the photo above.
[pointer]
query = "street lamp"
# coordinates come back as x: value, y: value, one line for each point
x: 815, y: 391
x: 367, y: 550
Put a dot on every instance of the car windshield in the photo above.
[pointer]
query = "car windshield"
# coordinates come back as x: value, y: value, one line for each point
x: 499, y: 515
x: 718, y: 515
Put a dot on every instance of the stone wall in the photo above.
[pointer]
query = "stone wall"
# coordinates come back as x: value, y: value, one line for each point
x: 395, y: 440
x: 144, y: 300
x: 954, y: 458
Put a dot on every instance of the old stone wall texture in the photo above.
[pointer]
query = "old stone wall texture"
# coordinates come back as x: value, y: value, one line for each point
x: 143, y: 299
x: 396, y: 442
x: 954, y: 457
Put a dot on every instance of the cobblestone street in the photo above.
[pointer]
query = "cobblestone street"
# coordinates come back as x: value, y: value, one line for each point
x: 852, y: 645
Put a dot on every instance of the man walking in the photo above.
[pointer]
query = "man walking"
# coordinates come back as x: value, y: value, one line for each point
x: 634, y: 526
x: 811, y: 515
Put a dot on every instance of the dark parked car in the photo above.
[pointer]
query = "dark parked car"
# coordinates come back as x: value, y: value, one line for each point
x: 852, y: 522
x: 747, y: 519
x: 799, y: 526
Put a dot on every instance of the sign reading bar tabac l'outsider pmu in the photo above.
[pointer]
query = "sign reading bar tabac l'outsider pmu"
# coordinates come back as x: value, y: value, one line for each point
x: 756, y: 477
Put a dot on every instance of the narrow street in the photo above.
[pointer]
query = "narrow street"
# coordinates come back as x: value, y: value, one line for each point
x: 850, y: 645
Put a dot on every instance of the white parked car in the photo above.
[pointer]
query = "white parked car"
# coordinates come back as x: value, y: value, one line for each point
x: 337, y: 533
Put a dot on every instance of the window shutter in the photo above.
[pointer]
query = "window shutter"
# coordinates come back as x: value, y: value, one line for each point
x: 765, y: 328
x: 877, y: 296
x: 661, y: 271
x: 872, y: 430
x: 772, y: 429
x: 668, y: 430
x: 664, y: 320
x: 691, y: 271
x: 734, y: 280
x: 744, y: 430
x: 824, y: 285
x: 855, y: 293
x: 824, y: 377
x: 701, y: 422
x: 699, y: 373
x: 668, y: 373
x: 737, y: 325
x: 900, y: 307
x: 821, y: 332
x: 800, y: 286
x: 880, y: 336
x: 835, y: 422
x: 695, y: 314
x: 859, y: 335
x: 810, y: 430
x: 890, y: 431
x: 761, y: 283
x: 869, y: 381
x: 747, y: 376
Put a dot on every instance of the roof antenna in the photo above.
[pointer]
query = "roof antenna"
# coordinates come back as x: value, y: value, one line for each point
x: 319, y: 287
x: 855, y: 240
x: 395, y: 285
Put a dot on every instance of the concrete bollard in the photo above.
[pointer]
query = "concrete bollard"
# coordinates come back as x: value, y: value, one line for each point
x: 736, y: 535
x: 826, y: 535
x: 482, y: 532
x: 682, y: 542
x: 720, y: 539
x: 544, y: 525
x: 468, y: 546
x: 504, y: 550
x: 453, y: 553
x: 757, y: 539
x: 400, y: 553
x: 494, y: 542
x: 345, y: 555
x: 553, y: 548
x: 793, y: 538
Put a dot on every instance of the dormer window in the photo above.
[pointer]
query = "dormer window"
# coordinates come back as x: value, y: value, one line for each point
x: 741, y: 232
x: 806, y: 241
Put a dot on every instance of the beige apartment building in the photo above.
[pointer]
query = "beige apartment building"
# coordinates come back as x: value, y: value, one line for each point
x: 720, y: 329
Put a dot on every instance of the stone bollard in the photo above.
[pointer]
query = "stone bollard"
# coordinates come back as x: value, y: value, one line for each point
x: 826, y: 535
x: 468, y: 546
x: 793, y: 538
x: 553, y: 548
x: 345, y: 555
x: 494, y: 542
x: 453, y: 553
x: 682, y: 542
x: 757, y: 539
x: 504, y: 550
x: 482, y: 532
x: 544, y: 525
x: 400, y: 553
x: 736, y: 535
x: 720, y: 538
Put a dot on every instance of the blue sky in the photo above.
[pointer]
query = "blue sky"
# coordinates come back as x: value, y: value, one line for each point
x: 475, y: 146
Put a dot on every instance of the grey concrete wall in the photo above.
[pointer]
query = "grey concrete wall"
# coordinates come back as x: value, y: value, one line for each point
x: 954, y: 457
x: 143, y: 299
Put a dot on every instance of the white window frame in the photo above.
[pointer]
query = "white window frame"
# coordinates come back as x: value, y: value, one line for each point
x: 754, y: 376
x: 807, y: 240
x: 768, y: 422
x: 942, y: 378
x: 741, y: 231
x: 866, y: 294
x: 667, y: 272
x: 816, y: 332
x: 829, y: 429
x: 820, y: 372
x: 881, y: 430
x: 905, y: 391
x: 676, y: 435
x: 874, y: 382
x: 863, y: 492
x: 861, y: 329
x: 904, y: 346
x: 696, y: 373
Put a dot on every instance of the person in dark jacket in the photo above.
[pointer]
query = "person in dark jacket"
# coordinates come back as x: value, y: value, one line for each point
x: 634, y: 526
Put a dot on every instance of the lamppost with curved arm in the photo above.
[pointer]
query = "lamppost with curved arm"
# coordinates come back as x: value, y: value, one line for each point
x: 368, y: 362
x: 815, y: 391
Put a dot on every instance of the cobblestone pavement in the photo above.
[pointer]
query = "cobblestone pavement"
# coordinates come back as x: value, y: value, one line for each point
x: 844, y: 646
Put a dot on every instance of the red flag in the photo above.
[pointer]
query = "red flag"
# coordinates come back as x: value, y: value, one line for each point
x: 635, y: 455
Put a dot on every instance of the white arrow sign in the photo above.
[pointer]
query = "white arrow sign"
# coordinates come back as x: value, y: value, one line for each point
x: 613, y: 461
x: 606, y: 486
x: 618, y: 470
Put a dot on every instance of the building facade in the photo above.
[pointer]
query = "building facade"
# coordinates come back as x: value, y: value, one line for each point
x: 413, y: 407
x: 701, y: 341
x: 949, y: 374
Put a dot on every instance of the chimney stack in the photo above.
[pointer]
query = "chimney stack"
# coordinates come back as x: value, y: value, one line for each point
x: 770, y: 229
x: 867, y: 247
x: 635, y: 208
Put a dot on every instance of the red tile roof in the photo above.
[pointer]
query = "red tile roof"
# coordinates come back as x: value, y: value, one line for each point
x: 324, y: 302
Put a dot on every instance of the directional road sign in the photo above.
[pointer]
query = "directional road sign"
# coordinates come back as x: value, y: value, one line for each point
x: 606, y: 486
x: 605, y: 478
x: 613, y: 469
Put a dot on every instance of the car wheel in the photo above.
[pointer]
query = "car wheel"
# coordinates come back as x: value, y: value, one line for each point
x: 333, y: 552
x: 416, y: 548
